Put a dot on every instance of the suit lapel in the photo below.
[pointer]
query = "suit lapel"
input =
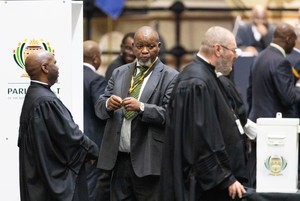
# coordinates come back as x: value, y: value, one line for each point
x: 152, y: 82
x: 125, y: 84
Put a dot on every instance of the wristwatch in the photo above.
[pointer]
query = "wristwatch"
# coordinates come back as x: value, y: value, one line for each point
x: 142, y: 107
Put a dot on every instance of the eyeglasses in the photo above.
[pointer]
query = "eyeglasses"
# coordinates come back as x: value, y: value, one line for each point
x: 236, y: 51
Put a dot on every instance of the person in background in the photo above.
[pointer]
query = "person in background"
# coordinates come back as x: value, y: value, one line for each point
x: 294, y: 56
x: 134, y: 105
x: 294, y: 59
x: 271, y: 85
x: 256, y: 35
x: 52, y: 149
x: 204, y: 152
x: 126, y: 55
x: 94, y: 86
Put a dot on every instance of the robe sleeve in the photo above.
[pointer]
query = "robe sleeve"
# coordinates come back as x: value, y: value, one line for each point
x: 198, y: 138
x: 61, y: 148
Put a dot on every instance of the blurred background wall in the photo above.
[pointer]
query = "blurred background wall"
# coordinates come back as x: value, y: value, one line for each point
x: 180, y: 23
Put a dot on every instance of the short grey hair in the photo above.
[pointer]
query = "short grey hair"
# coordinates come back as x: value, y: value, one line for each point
x: 214, y: 35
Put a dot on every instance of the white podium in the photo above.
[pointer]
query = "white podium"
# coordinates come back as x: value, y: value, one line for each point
x: 277, y: 154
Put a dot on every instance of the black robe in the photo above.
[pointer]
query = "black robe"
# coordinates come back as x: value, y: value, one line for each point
x: 235, y: 99
x: 52, y: 149
x: 203, y: 151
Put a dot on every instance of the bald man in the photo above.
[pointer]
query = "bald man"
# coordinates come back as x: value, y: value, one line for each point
x: 271, y: 85
x: 134, y: 105
x: 52, y: 149
x: 94, y: 86
x: 204, y: 152
x: 256, y: 35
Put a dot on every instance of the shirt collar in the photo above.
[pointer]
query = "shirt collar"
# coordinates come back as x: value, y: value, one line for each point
x: 296, y: 49
x: 43, y: 83
x: 279, y: 48
x: 256, y: 33
x: 90, y: 66
x: 218, y: 74
x: 199, y: 55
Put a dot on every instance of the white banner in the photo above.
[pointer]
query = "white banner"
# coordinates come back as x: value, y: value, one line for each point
x: 27, y: 25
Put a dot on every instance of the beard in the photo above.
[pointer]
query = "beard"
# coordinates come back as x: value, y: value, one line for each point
x: 223, y: 67
x: 147, y: 63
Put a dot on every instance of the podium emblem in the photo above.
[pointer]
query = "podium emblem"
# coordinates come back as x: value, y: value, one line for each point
x: 275, y: 164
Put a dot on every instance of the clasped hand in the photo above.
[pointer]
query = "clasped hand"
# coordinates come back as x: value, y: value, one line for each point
x: 128, y: 103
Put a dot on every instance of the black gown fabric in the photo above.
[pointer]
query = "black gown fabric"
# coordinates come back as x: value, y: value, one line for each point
x: 52, y: 149
x: 235, y: 99
x: 203, y: 151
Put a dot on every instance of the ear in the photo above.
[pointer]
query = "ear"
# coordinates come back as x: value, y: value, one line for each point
x: 44, y: 68
x: 159, y: 44
x: 217, y: 49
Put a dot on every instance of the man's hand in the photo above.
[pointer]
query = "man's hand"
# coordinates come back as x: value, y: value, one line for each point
x: 114, y: 102
x: 131, y: 104
x: 261, y: 28
x: 236, y: 189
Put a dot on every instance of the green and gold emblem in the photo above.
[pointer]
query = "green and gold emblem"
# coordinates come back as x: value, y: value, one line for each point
x: 275, y: 164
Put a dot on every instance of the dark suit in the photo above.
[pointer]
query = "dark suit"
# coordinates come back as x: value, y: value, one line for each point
x: 147, y: 128
x: 245, y: 37
x: 271, y: 86
x: 294, y: 58
x: 94, y: 86
x: 119, y: 61
x: 271, y: 90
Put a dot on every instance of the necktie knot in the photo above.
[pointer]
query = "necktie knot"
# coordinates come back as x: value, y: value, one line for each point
x: 142, y: 68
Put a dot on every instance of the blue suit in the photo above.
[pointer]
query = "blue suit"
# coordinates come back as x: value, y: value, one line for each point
x: 294, y: 58
x: 94, y: 86
x: 271, y: 86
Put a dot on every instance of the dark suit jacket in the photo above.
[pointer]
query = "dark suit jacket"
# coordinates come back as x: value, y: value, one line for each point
x: 113, y: 65
x: 294, y: 58
x: 94, y: 86
x: 147, y: 128
x: 245, y: 37
x: 271, y: 86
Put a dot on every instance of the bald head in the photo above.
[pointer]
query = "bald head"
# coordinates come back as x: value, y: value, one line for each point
x: 218, y: 47
x: 35, y: 60
x: 259, y: 14
x: 41, y: 65
x: 216, y: 35
x: 147, y: 31
x: 92, y: 53
x: 259, y: 11
x: 285, y: 36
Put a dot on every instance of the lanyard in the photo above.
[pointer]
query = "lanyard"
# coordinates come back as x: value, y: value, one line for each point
x: 132, y: 87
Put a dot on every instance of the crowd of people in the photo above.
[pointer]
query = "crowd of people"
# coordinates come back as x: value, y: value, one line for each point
x: 152, y: 133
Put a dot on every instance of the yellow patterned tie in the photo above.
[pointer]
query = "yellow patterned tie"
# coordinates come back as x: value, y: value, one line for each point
x: 136, y: 91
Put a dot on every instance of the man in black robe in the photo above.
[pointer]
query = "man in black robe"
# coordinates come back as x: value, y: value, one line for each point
x: 52, y: 149
x: 204, y: 152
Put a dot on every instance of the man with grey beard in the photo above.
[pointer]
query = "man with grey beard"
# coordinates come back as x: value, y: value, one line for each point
x: 134, y: 105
